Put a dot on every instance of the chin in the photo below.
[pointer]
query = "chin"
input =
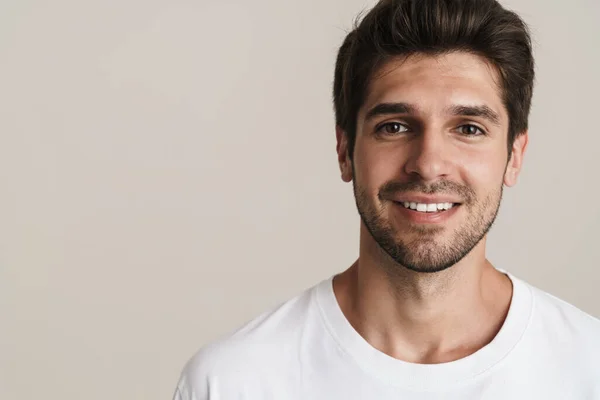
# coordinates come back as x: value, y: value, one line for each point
x: 426, y: 255
x: 427, y: 266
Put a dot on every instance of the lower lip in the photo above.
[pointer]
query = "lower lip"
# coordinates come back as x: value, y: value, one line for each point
x: 425, y: 217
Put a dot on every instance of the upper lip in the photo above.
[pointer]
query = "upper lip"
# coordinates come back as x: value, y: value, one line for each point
x: 425, y: 199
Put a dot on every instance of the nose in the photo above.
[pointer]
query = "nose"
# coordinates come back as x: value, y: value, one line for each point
x: 427, y: 156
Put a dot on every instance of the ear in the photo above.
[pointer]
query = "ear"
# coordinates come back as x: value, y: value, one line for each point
x: 342, y: 152
x: 516, y: 159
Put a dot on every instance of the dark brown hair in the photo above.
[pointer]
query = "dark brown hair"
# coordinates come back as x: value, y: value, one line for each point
x: 405, y: 27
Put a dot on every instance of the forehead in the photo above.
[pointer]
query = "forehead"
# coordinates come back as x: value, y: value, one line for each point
x: 433, y: 83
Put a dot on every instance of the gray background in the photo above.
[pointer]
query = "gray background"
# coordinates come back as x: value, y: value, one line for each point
x: 168, y: 171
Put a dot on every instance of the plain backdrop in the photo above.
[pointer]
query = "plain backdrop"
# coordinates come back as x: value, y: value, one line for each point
x: 168, y: 172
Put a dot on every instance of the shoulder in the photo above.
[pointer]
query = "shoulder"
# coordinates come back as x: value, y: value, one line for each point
x: 563, y: 324
x: 259, y: 348
x: 254, y: 340
x: 552, y: 308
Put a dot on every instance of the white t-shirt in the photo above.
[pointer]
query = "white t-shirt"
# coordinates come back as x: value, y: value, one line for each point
x: 306, y: 349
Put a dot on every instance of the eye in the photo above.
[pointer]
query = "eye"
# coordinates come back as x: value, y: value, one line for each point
x: 391, y: 128
x: 471, y: 130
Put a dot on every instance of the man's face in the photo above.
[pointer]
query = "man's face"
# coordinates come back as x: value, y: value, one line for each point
x: 431, y: 158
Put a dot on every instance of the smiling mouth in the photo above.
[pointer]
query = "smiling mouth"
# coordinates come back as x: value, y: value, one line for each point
x: 427, y: 208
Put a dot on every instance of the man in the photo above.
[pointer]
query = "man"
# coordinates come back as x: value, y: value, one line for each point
x: 432, y: 99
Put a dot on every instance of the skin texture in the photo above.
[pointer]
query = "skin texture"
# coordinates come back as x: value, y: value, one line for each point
x: 423, y: 291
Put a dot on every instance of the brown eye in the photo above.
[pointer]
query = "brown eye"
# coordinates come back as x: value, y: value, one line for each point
x: 471, y: 130
x: 391, y: 128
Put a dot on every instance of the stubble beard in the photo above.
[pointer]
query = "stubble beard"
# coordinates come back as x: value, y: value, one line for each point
x: 422, y: 248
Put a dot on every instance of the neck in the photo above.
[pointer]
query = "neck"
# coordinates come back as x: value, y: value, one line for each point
x: 424, y: 317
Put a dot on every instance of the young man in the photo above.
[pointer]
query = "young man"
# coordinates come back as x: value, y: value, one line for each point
x: 432, y: 99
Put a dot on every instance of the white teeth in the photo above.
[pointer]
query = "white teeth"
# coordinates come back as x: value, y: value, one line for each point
x: 422, y: 207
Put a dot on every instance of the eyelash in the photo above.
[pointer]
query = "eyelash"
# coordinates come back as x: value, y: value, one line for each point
x: 379, y: 129
x: 483, y: 133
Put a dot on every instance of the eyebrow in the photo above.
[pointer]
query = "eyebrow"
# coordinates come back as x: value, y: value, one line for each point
x: 481, y: 111
x: 476, y: 111
x: 390, y: 108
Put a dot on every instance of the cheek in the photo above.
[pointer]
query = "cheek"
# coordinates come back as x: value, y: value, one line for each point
x: 484, y: 173
x: 375, y: 165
